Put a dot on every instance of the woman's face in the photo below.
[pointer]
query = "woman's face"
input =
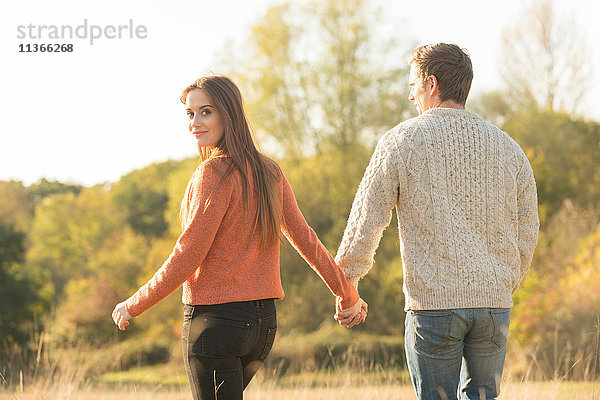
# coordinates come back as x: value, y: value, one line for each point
x: 205, y: 122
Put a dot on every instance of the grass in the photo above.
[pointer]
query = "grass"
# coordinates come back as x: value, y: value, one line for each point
x: 169, y: 382
x: 79, y: 372
x: 341, y: 383
x: 167, y: 375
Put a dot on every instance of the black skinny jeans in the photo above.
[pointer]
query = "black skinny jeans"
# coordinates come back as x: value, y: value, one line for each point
x: 225, y: 344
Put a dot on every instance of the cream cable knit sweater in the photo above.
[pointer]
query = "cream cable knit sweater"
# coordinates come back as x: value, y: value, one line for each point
x: 466, y: 202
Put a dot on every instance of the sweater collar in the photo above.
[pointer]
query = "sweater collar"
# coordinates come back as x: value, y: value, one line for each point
x: 457, y: 112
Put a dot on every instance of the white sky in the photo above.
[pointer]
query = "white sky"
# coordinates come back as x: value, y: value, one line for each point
x: 104, y: 110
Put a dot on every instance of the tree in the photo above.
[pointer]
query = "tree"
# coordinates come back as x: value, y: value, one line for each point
x: 17, y: 205
x: 306, y: 82
x: 564, y: 153
x: 556, y: 307
x: 359, y: 78
x: 142, y: 196
x: 68, y: 230
x: 88, y: 299
x: 274, y: 82
x: 144, y: 205
x: 546, y: 59
x: 18, y: 291
x: 310, y: 92
x: 44, y: 188
x: 493, y: 106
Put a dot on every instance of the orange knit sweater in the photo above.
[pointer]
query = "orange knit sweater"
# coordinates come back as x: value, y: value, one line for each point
x: 218, y: 261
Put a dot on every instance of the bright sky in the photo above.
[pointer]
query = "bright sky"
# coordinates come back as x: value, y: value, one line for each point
x: 106, y: 109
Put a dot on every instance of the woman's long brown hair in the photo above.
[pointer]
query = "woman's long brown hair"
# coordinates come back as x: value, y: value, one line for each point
x: 237, y: 145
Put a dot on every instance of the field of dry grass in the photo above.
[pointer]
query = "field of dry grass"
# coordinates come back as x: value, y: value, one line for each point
x: 267, y: 391
x: 74, y: 373
x: 169, y: 382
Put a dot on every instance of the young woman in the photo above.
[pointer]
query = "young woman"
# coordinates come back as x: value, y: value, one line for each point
x: 236, y: 205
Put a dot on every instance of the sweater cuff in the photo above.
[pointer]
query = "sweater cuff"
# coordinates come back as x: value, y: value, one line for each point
x: 349, y: 300
x: 129, y: 305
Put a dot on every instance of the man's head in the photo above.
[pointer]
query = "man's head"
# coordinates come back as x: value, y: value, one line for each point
x: 439, y: 73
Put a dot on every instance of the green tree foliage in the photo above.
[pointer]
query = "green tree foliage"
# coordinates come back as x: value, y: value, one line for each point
x: 84, y: 309
x: 17, y: 205
x: 325, y: 202
x: 358, y: 99
x: 307, y: 85
x: 18, y: 296
x: 143, y: 197
x: 19, y: 201
x: 556, y: 307
x: 580, y: 309
x: 45, y: 188
x: 495, y: 106
x: 564, y: 153
x: 325, y: 109
x: 25, y: 293
x: 163, y: 320
x: 175, y: 189
x: 67, y: 232
x: 98, y: 245
x: 324, y: 188
x: 145, y: 208
x: 275, y: 82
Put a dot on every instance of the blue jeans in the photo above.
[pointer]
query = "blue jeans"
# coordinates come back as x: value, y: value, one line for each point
x: 458, y: 353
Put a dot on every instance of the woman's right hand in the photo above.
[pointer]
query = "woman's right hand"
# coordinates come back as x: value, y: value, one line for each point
x: 121, y: 316
x: 352, y: 316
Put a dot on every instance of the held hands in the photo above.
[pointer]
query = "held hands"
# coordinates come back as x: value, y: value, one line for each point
x: 351, y: 316
x: 121, y: 316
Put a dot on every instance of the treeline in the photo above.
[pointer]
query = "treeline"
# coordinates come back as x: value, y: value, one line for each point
x: 69, y: 253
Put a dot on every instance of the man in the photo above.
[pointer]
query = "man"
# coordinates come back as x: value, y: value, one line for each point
x: 466, y: 202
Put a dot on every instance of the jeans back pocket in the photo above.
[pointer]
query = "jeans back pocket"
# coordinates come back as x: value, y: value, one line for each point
x: 431, y: 329
x: 501, y: 319
x: 270, y: 338
x: 219, y: 337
